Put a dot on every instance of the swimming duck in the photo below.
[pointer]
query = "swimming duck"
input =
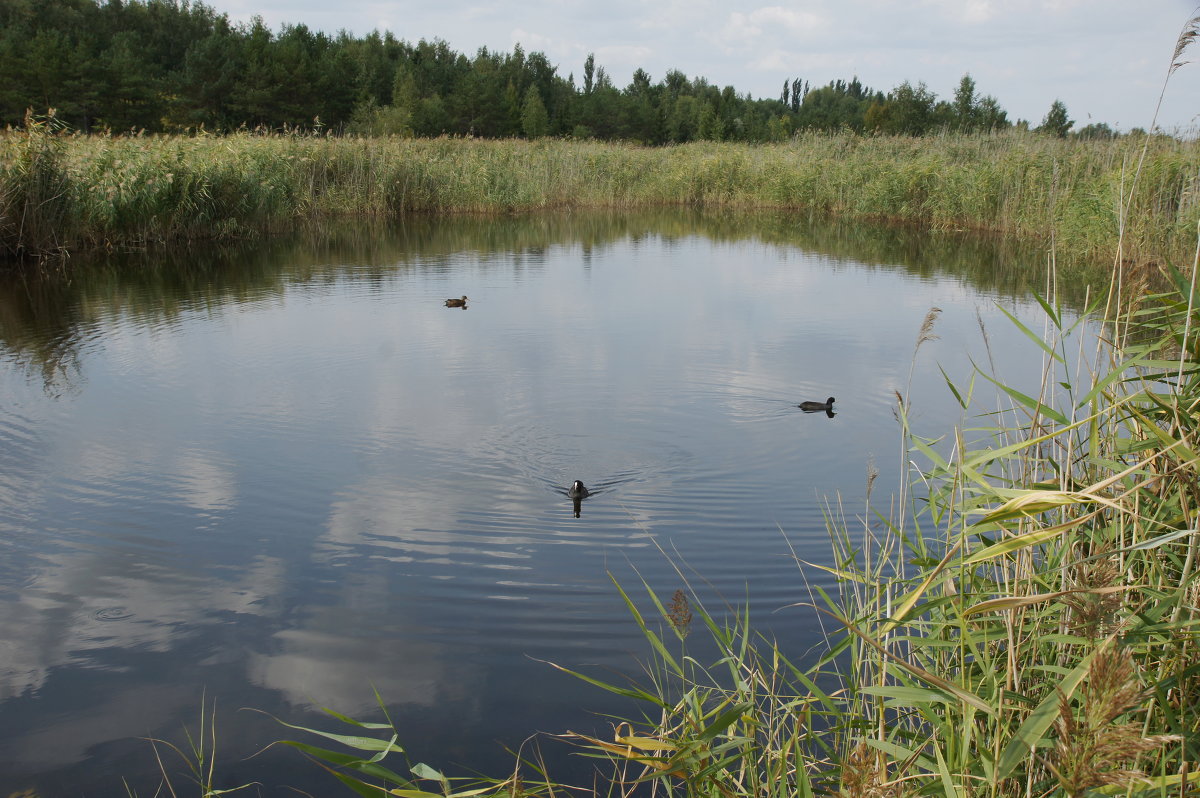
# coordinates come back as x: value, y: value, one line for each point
x: 578, y: 491
x: 457, y: 303
x: 813, y: 407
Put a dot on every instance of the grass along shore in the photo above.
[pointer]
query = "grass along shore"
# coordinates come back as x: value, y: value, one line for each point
x: 64, y: 192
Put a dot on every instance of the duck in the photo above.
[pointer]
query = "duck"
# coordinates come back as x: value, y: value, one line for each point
x: 813, y: 407
x: 578, y: 491
x: 457, y: 303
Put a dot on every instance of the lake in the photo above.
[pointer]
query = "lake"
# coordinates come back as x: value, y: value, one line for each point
x: 284, y: 475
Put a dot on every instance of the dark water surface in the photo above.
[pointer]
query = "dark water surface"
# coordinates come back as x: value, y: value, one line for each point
x: 286, y: 475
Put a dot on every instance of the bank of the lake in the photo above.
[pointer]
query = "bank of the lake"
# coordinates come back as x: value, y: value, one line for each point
x: 64, y: 193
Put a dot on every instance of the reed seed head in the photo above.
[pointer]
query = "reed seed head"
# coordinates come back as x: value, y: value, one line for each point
x: 680, y: 613
x: 864, y: 775
x: 1091, y: 745
x: 1190, y: 31
x: 925, y: 334
x: 1094, y: 615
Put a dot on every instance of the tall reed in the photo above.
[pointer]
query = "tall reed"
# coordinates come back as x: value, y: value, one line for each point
x: 67, y: 191
x: 34, y: 190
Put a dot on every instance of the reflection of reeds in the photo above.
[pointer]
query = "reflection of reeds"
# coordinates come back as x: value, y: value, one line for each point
x: 134, y: 189
x: 43, y: 312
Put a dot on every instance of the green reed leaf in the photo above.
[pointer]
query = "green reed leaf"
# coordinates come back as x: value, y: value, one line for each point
x: 963, y: 401
x: 342, y: 759
x: 1051, y: 311
x: 900, y: 695
x: 350, y: 740
x: 1018, y: 542
x: 1034, y: 405
x: 1016, y: 602
x: 654, y: 640
x: 352, y: 722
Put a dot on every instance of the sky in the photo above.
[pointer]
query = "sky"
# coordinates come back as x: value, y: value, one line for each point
x: 1105, y: 59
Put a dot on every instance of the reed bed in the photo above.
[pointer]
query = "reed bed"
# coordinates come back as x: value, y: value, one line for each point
x: 61, y: 192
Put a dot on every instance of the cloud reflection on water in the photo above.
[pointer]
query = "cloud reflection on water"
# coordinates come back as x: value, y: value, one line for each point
x: 304, y: 479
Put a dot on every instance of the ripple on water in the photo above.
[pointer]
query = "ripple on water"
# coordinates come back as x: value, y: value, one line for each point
x: 109, y: 614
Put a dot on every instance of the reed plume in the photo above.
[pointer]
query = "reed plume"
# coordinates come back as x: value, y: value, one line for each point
x: 1093, y: 749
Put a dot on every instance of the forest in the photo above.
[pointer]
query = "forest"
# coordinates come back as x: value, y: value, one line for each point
x: 176, y: 66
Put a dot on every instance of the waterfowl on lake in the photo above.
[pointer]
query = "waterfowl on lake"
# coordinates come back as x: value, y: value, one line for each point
x: 813, y: 407
x: 577, y: 490
x: 457, y: 303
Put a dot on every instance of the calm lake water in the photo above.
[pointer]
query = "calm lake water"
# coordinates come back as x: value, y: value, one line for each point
x: 285, y: 475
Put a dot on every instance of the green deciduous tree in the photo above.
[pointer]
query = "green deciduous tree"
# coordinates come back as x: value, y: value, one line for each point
x: 911, y: 110
x: 1056, y: 122
x: 1096, y: 130
x: 965, y: 115
x: 534, y: 120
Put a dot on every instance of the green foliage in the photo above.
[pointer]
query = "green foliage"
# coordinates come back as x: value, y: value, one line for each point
x: 1096, y: 130
x: 965, y: 104
x: 1056, y: 122
x: 159, y: 66
x: 534, y: 121
x: 34, y: 204
x: 60, y: 191
x: 197, y: 756
x: 909, y: 110
x: 369, y: 119
x: 359, y: 764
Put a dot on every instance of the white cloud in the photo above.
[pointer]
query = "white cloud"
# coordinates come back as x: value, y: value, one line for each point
x: 669, y: 15
x: 791, y: 21
x: 971, y: 12
x: 770, y: 23
x: 625, y: 56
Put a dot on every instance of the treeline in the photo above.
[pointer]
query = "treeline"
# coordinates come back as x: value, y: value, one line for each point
x: 175, y: 65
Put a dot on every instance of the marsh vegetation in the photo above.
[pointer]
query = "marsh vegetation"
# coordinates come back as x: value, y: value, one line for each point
x: 61, y: 192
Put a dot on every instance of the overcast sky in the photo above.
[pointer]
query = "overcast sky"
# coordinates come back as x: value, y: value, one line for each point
x: 1106, y: 59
